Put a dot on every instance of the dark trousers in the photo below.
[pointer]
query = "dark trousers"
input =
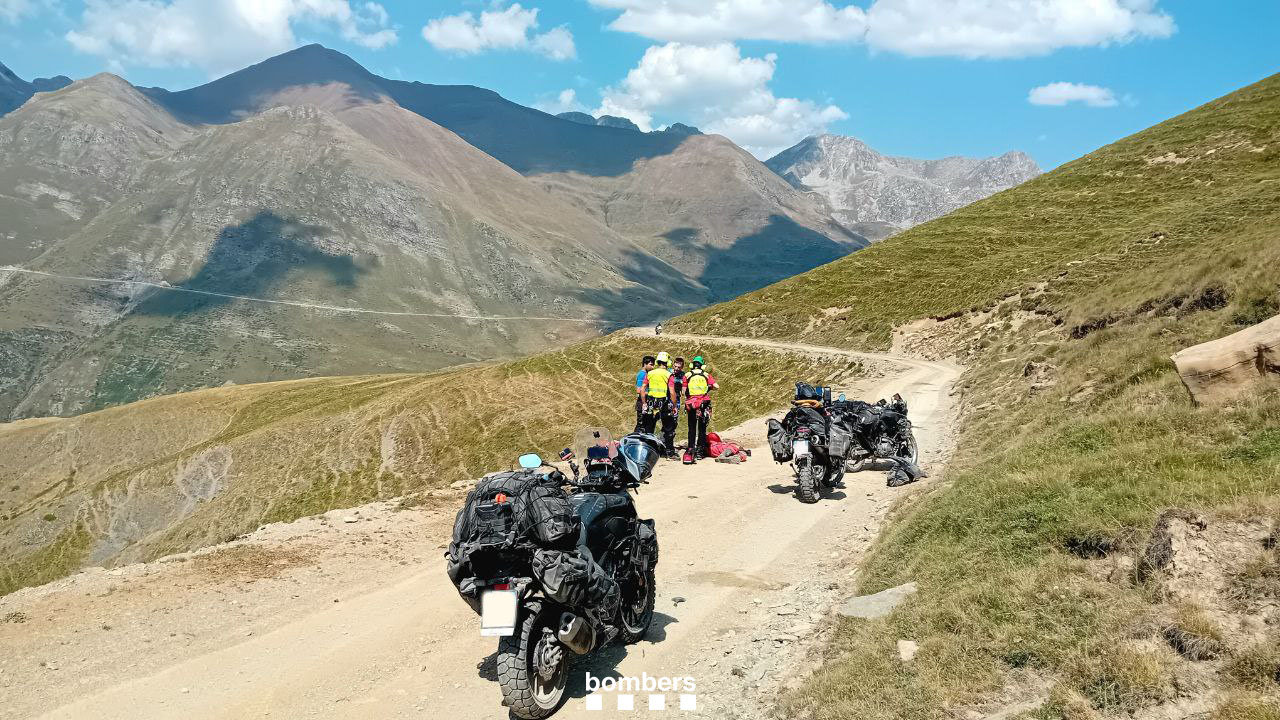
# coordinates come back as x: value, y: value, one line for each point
x: 639, y: 414
x: 698, y: 420
x: 656, y: 409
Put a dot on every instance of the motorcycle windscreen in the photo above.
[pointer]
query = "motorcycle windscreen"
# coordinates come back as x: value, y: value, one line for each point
x: 498, y: 610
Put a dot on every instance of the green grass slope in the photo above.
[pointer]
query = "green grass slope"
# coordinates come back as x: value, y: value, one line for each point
x: 1065, y: 298
x: 184, y: 471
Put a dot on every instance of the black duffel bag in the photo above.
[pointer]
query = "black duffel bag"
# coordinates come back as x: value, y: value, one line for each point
x: 779, y: 442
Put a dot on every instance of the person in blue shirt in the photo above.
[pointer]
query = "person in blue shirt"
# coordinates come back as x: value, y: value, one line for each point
x: 646, y: 364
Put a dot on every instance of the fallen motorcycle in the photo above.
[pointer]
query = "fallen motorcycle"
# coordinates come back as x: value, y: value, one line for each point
x: 554, y: 572
x: 881, y: 431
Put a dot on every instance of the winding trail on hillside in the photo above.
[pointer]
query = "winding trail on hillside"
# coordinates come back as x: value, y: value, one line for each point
x: 293, y: 303
x: 372, y: 628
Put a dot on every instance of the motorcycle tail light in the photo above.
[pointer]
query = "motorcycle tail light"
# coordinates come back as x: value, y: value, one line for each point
x: 502, y: 586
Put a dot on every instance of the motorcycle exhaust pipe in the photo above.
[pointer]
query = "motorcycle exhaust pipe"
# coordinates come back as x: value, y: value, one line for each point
x: 576, y: 633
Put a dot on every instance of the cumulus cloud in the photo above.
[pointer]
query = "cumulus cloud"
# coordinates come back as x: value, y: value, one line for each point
x: 161, y: 33
x: 1061, y: 93
x: 700, y: 21
x: 962, y: 28
x: 1009, y: 28
x: 565, y: 101
x: 510, y: 28
x: 720, y: 91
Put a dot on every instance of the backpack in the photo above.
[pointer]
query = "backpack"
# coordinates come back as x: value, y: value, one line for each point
x: 696, y: 382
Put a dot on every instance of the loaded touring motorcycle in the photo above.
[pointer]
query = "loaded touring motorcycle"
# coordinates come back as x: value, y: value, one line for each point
x: 555, y: 572
x: 881, y: 432
x: 814, y: 440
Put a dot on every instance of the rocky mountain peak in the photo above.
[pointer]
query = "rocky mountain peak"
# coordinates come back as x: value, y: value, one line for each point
x: 862, y: 185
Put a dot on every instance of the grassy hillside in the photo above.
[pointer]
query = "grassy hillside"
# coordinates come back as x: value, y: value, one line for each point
x: 184, y: 471
x: 1065, y: 297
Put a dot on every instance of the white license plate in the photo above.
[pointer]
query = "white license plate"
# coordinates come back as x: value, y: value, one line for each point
x: 800, y: 447
x: 498, y: 612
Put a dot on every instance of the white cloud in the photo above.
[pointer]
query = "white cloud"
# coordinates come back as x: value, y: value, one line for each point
x: 13, y: 10
x: 565, y: 101
x: 963, y: 28
x: 217, y: 35
x: 1061, y: 93
x: 506, y: 29
x: 720, y: 91
x: 703, y: 22
x: 1009, y: 28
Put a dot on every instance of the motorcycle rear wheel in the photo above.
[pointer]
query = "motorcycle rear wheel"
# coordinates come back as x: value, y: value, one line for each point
x: 854, y: 466
x: 911, y: 452
x: 808, y: 477
x: 528, y: 694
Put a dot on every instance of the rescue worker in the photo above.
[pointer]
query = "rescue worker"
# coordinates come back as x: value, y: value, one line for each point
x: 657, y: 387
x: 675, y: 391
x: 646, y: 364
x: 698, y: 385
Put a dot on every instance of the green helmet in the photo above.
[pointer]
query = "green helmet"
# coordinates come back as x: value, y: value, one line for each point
x: 697, y: 360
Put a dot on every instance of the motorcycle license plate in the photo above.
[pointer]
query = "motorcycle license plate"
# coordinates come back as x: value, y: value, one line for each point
x: 498, y: 612
x: 800, y: 447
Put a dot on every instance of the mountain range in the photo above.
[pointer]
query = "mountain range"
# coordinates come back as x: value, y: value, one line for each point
x: 304, y: 216
x: 232, y: 228
x: 880, y: 194
x: 14, y: 90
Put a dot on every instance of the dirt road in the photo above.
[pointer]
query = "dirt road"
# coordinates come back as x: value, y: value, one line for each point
x: 350, y: 615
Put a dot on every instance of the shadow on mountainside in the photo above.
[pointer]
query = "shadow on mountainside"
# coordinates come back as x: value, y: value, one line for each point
x: 779, y: 250
x: 658, y: 291
x: 252, y: 259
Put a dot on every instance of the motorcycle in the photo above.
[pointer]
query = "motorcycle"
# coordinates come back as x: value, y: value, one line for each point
x: 536, y: 633
x: 816, y: 443
x: 881, y: 432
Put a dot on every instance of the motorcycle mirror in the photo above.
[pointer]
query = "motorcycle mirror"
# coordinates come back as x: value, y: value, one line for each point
x: 530, y: 461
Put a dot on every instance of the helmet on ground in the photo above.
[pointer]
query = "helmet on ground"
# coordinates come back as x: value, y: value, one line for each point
x: 664, y: 358
x: 637, y: 454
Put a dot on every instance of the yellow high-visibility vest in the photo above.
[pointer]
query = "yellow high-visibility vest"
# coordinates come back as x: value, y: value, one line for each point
x: 657, y: 380
x: 697, y: 383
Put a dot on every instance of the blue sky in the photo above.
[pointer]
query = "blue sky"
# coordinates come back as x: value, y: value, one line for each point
x: 924, y: 78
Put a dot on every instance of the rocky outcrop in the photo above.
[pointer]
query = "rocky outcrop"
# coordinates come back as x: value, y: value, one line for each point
x: 1233, y: 366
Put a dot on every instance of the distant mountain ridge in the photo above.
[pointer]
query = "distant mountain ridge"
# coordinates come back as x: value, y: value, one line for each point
x: 864, y: 187
x: 307, y: 180
x: 621, y: 122
x: 14, y: 91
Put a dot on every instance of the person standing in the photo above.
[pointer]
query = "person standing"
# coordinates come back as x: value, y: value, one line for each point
x: 675, y: 392
x: 657, y: 385
x: 646, y: 364
x: 698, y: 385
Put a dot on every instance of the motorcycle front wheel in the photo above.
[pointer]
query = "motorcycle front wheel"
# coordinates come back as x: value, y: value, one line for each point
x: 533, y: 667
x: 636, y: 614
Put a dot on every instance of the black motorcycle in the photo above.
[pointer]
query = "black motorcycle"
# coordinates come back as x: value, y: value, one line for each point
x: 814, y: 440
x: 518, y: 585
x: 882, y: 431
